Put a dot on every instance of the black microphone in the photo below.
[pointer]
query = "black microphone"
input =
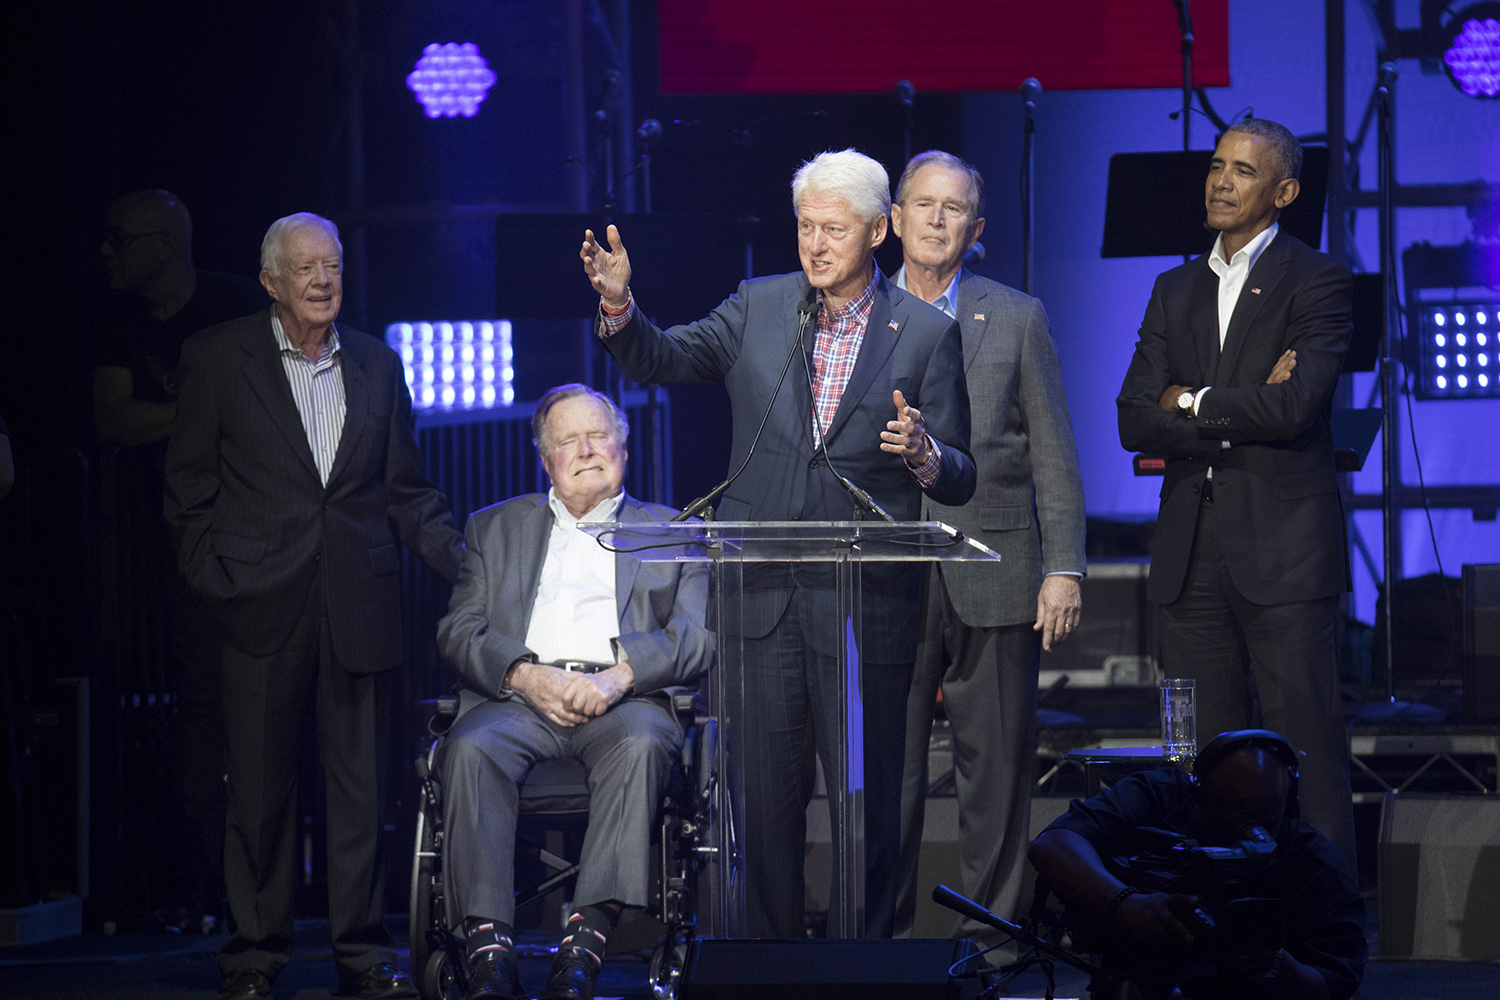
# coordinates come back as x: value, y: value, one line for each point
x: 863, y: 499
x: 806, y: 310
x: 1031, y: 89
x: 650, y: 129
x: 1387, y: 74
x: 905, y: 92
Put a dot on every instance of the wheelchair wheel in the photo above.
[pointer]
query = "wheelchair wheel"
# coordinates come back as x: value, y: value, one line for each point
x: 420, y: 920
x: 664, y: 973
x: 439, y: 976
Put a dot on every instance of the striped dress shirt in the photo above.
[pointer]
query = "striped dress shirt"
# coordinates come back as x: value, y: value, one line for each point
x: 318, y: 390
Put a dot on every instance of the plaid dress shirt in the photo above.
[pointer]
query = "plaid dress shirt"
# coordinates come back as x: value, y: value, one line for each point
x: 835, y: 351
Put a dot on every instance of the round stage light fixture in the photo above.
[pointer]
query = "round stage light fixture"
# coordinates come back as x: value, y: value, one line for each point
x: 1472, y: 58
x: 451, y: 80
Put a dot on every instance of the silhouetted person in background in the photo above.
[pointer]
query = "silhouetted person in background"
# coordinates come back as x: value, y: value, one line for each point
x: 158, y: 299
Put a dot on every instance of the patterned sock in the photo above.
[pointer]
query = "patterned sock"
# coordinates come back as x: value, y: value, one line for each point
x: 589, y: 926
x: 484, y: 938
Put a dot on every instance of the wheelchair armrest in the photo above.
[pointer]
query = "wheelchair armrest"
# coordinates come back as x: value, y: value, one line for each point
x: 440, y: 713
x: 689, y: 707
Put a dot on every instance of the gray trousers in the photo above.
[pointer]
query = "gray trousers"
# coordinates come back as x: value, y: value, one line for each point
x: 988, y: 677
x: 628, y: 752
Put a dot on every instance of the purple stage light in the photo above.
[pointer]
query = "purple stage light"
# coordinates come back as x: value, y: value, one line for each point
x: 1473, y: 59
x: 451, y: 80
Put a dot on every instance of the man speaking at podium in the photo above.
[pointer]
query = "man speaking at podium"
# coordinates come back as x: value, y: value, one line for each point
x: 882, y: 373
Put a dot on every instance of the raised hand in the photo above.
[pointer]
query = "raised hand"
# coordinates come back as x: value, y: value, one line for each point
x: 907, y: 434
x: 608, y: 270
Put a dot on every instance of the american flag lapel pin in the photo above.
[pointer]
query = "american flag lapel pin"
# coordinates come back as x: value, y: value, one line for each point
x: 1255, y: 291
x: 979, y: 317
x: 895, y: 325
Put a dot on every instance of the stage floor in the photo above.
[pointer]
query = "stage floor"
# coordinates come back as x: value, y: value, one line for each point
x: 170, y: 967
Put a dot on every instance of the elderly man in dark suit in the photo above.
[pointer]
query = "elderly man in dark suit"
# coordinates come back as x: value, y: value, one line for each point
x: 565, y: 650
x: 985, y: 624
x: 1232, y: 380
x: 291, y: 458
x: 884, y: 382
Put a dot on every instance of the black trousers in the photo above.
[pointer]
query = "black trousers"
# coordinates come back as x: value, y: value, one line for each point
x: 265, y: 701
x: 791, y: 694
x: 1264, y: 665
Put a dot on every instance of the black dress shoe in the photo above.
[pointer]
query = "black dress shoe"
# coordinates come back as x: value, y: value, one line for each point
x: 379, y: 982
x: 573, y: 975
x: 495, y: 979
x: 245, y: 984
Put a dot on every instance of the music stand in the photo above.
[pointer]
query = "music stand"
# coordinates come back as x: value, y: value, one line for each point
x: 1154, y: 206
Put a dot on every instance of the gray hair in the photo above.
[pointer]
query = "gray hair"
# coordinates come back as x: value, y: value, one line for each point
x: 1284, y: 146
x: 850, y: 175
x: 569, y: 390
x: 273, y: 246
x: 938, y: 158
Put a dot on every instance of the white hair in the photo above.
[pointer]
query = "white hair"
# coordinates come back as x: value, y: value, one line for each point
x: 272, y: 248
x: 847, y: 174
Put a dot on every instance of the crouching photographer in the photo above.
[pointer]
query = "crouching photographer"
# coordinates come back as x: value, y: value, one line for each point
x: 1211, y: 883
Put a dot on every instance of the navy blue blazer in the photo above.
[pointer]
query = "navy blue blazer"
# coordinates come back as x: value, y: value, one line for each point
x: 908, y: 345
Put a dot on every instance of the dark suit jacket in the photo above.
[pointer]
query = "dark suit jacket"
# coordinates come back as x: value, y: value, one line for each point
x: 255, y: 520
x: 1275, y: 488
x: 662, y: 605
x: 908, y: 345
x: 1028, y: 505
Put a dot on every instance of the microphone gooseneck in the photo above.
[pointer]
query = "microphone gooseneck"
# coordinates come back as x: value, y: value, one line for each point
x: 806, y: 309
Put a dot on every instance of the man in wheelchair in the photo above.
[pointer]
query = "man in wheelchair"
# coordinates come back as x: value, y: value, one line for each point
x: 564, y: 649
x: 1212, y: 883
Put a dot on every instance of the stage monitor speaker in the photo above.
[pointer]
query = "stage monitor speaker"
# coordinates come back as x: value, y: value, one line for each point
x: 912, y: 969
x: 1481, y: 667
x: 1439, y: 863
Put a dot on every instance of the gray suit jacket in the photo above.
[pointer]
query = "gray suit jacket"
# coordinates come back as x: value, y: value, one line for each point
x: 1028, y: 504
x: 662, y: 605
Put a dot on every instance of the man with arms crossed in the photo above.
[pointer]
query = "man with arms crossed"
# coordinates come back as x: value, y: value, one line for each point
x: 1232, y: 380
x: 890, y: 403
x: 985, y: 624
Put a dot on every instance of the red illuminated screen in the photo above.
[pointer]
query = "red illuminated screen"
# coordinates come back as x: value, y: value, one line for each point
x: 866, y: 46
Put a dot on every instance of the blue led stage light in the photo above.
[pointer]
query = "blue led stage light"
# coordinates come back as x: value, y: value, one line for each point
x: 456, y: 364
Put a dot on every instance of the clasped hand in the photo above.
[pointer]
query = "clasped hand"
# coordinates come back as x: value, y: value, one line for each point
x: 569, y: 698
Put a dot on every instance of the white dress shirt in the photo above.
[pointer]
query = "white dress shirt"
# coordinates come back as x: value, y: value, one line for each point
x: 1232, y: 274
x: 574, y: 615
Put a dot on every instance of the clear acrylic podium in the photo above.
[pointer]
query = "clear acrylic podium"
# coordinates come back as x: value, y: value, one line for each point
x: 732, y: 546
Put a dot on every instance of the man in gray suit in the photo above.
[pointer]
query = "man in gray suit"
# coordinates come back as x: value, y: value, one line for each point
x: 984, y: 624
x: 565, y: 650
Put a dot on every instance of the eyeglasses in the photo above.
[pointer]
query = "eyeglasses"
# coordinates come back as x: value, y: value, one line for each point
x: 119, y: 240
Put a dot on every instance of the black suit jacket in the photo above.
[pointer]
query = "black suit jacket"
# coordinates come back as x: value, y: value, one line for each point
x: 1275, y: 487
x: 255, y: 520
x: 908, y: 345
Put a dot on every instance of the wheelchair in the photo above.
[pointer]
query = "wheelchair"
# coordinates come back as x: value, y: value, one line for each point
x: 555, y: 795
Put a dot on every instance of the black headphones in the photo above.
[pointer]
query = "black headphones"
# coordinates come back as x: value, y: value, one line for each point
x: 1226, y: 744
